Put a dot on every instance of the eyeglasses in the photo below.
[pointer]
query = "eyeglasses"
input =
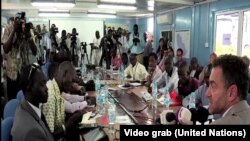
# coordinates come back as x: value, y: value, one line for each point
x: 33, y: 68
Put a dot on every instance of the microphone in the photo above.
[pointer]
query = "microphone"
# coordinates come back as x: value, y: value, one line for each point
x: 184, y: 116
x: 202, y: 114
x: 194, y: 115
x: 168, y: 117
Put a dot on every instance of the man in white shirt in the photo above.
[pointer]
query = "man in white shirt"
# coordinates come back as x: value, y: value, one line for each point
x: 124, y: 42
x: 169, y: 77
x: 135, y: 70
x: 95, y: 49
x: 154, y: 71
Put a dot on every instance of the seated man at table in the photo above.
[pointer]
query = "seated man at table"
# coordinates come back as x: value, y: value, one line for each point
x: 154, y: 71
x: 135, y: 70
x: 169, y: 78
x: 186, y: 84
x: 29, y: 123
x: 54, y: 110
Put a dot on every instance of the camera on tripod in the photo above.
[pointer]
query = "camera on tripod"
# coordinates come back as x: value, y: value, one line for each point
x: 84, y: 46
x: 73, y: 36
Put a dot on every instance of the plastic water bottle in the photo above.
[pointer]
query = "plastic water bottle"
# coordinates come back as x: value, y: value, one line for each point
x: 121, y: 75
x: 167, y: 100
x: 92, y: 75
x: 84, y: 70
x: 154, y: 102
x: 112, y: 112
x: 191, y: 103
x: 154, y: 89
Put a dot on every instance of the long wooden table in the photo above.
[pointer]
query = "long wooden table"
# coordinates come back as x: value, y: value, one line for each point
x: 130, y: 102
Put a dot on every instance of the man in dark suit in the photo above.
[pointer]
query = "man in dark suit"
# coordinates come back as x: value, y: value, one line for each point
x: 29, y: 123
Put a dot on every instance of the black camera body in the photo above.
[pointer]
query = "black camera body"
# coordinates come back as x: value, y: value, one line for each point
x: 54, y: 30
x: 20, y: 16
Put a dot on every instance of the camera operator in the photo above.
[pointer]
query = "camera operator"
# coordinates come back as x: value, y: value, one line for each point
x: 46, y: 44
x: 54, y: 38
x: 40, y: 50
x: 95, y: 50
x: 106, y: 45
x: 18, y: 44
x: 63, y: 41
x: 75, y: 48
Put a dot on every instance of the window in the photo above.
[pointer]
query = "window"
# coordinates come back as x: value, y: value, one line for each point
x: 232, y: 33
x: 150, y: 25
x: 246, y: 35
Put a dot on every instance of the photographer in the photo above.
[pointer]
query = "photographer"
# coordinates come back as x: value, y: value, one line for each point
x: 63, y: 41
x: 75, y: 48
x: 54, y: 38
x: 106, y: 45
x: 40, y: 49
x: 18, y: 44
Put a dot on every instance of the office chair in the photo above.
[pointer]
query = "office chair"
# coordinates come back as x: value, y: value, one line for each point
x: 6, y: 126
x: 10, y: 108
x: 20, y: 96
x: 248, y: 98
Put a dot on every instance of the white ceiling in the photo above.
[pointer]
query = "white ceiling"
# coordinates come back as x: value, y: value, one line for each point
x: 11, y: 7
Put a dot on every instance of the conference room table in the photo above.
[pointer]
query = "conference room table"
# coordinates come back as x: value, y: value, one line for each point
x: 129, y: 103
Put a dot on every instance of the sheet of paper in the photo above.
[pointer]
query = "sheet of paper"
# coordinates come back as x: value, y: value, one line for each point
x: 135, y: 84
x: 86, y: 120
x: 147, y: 96
x: 123, y: 120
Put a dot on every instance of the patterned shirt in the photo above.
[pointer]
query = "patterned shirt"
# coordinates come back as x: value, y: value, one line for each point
x: 54, y: 109
x: 19, y: 55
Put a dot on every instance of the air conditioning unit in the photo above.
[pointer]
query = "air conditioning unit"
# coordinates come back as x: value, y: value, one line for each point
x: 165, y: 19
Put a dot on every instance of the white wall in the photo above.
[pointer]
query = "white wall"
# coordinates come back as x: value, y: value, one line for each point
x: 85, y: 27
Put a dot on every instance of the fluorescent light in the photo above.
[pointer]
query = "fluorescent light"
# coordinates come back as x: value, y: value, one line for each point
x: 98, y: 11
x: 53, y: 4
x: 53, y: 14
x: 114, y: 6
x: 101, y: 16
x: 120, y: 1
x: 151, y: 3
x: 54, y: 10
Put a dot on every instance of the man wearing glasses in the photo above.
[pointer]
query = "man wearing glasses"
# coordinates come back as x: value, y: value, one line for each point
x: 29, y: 122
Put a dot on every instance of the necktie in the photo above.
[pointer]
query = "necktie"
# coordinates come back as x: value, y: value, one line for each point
x: 44, y: 120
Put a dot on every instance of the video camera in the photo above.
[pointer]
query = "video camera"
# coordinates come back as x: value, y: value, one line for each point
x: 73, y: 36
x: 117, y: 33
x: 54, y: 30
x: 20, y: 16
